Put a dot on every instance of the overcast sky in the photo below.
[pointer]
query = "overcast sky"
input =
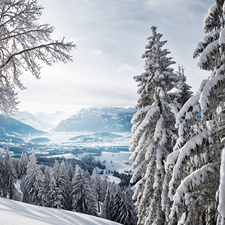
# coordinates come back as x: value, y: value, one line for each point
x: 111, y: 36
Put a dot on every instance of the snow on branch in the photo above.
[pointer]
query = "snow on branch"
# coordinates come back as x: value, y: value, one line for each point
x: 209, y: 38
x: 204, y: 101
x: 192, y: 181
x: 221, y: 206
x: 149, y: 116
x: 207, y: 54
x: 185, y: 151
x: 222, y: 37
x: 191, y: 102
x: 211, y: 17
x: 139, y: 113
x: 171, y: 159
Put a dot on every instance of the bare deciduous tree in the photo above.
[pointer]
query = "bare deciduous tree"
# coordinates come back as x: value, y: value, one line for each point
x: 24, y: 44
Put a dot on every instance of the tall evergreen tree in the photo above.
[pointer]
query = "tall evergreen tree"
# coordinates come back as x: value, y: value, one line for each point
x: 22, y: 166
x: 153, y: 127
x: 51, y: 193
x: 131, y: 218
x: 195, y: 164
x: 183, y: 87
x: 10, y: 175
x: 119, y: 208
x: 104, y: 185
x: 70, y: 172
x: 106, y: 208
x: 2, y: 171
x: 64, y: 185
x: 32, y: 184
x: 82, y: 199
x: 96, y: 187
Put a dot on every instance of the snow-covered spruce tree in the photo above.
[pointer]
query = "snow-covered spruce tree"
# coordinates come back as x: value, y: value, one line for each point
x: 52, y: 196
x: 131, y: 218
x: 2, y: 171
x: 25, y: 45
x: 96, y: 187
x: 197, y: 185
x: 22, y: 166
x: 64, y: 185
x: 104, y: 185
x: 183, y: 87
x: 83, y: 200
x: 119, y: 211
x: 70, y: 172
x: 106, y: 208
x: 154, y: 132
x: 32, y: 183
x: 10, y: 175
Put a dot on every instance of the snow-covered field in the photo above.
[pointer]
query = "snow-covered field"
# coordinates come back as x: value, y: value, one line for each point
x: 62, y: 138
x: 113, y: 161
x: 19, y: 213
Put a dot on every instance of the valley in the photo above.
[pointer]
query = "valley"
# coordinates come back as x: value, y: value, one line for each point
x: 101, y: 145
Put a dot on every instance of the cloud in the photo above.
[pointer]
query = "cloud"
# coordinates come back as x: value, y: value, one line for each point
x: 65, y: 89
x: 126, y: 68
x: 96, y: 52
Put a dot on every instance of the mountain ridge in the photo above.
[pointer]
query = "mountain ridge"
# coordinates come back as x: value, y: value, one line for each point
x: 107, y: 119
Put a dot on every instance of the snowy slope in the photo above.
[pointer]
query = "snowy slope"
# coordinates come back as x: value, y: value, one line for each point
x: 18, y: 213
x: 10, y: 126
x: 33, y: 121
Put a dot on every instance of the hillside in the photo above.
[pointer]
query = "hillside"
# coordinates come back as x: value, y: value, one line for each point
x: 12, y: 127
x: 112, y: 119
x: 19, y: 213
x: 32, y: 120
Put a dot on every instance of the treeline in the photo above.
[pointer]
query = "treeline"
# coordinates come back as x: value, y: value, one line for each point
x: 64, y: 187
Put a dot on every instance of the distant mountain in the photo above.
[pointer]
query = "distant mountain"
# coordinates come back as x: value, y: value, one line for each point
x: 53, y: 118
x: 113, y: 119
x: 15, y: 128
x: 33, y: 121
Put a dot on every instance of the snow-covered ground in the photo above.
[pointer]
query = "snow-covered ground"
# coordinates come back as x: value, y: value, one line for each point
x: 19, y: 213
x: 62, y: 138
x: 112, y: 161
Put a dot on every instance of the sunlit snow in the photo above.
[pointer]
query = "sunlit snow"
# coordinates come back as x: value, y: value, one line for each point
x: 13, y: 213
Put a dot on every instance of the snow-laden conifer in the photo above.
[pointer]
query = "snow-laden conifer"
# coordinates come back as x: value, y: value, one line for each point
x: 195, y: 163
x: 10, y: 175
x: 22, y: 166
x: 52, y: 196
x: 2, y: 171
x: 82, y: 199
x: 64, y: 185
x: 104, y: 185
x: 131, y: 216
x: 96, y: 187
x: 70, y: 172
x: 32, y: 184
x: 153, y: 128
x: 106, y: 208
x: 119, y: 212
x: 183, y: 88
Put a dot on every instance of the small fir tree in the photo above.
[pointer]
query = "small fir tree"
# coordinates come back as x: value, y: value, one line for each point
x: 10, y: 175
x: 96, y: 187
x: 82, y: 199
x: 32, y: 184
x: 22, y: 166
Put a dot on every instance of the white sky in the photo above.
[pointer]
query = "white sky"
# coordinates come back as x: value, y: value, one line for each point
x: 111, y: 37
